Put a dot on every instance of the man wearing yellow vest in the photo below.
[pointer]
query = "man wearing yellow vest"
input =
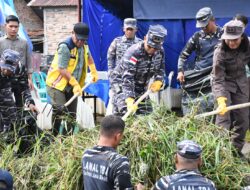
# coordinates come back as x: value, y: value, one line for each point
x: 67, y: 74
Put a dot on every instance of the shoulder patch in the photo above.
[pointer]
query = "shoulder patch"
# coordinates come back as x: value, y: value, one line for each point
x: 133, y: 60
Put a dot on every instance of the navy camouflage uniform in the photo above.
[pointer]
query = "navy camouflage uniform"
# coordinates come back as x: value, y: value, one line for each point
x: 203, y: 45
x: 8, y: 105
x: 9, y: 61
x: 132, y: 76
x: 130, y: 79
x: 105, y: 169
x: 186, y: 179
x: 117, y: 49
x: 19, y: 82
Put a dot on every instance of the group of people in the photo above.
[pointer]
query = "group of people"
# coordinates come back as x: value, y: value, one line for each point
x: 222, y: 56
x: 104, y: 169
x: 134, y: 66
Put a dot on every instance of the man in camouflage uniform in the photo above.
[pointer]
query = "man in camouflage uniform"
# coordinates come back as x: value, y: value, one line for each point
x: 203, y: 43
x: 187, y: 174
x: 103, y: 168
x: 10, y: 67
x: 140, y: 63
x: 117, y: 49
x: 21, y: 82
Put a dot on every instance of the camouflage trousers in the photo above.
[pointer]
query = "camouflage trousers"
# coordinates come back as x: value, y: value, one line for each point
x: 196, y: 103
x: 120, y: 106
x: 8, y: 110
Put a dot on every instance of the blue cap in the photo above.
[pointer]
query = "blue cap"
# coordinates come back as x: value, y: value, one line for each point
x: 156, y: 35
x: 10, y: 60
x: 6, y: 180
x: 189, y: 149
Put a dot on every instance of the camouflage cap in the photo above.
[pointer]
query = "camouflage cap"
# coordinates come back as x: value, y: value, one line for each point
x: 203, y: 16
x: 189, y: 149
x: 156, y: 35
x: 10, y: 60
x: 233, y: 30
x: 130, y: 23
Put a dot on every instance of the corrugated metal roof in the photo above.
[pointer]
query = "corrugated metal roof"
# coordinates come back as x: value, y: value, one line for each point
x: 52, y: 3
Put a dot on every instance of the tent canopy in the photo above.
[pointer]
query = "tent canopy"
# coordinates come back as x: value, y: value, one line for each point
x: 105, y: 19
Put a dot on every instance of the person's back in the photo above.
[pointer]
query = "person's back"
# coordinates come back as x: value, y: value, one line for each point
x: 185, y: 179
x: 187, y: 175
x: 101, y: 165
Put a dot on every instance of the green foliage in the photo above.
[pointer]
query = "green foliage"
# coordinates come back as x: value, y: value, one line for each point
x: 248, y: 136
x: 149, y: 142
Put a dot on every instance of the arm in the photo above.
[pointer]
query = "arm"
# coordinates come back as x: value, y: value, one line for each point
x: 159, y: 75
x: 121, y: 175
x: 92, y: 68
x: 25, y: 92
x: 63, y: 59
x: 162, y: 183
x: 218, y: 74
x: 187, y: 50
x: 111, y: 57
x: 29, y: 67
x: 160, y: 71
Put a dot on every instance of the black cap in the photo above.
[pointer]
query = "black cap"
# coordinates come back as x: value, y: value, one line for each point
x: 189, y: 149
x: 81, y: 30
x: 7, y: 179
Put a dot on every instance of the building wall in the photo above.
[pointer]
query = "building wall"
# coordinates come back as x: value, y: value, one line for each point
x: 58, y: 25
x: 28, y: 18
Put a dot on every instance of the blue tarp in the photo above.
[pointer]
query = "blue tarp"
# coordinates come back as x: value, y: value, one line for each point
x: 7, y: 8
x: 186, y: 9
x: 105, y: 26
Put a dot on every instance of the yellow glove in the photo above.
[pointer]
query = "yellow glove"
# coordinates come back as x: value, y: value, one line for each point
x: 76, y: 87
x: 130, y: 105
x: 222, y: 106
x: 93, y: 72
x: 156, y: 86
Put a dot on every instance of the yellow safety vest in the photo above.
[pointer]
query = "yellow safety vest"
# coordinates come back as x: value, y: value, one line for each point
x: 56, y: 80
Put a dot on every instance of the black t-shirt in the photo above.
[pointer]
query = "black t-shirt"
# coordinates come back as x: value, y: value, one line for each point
x: 104, y: 169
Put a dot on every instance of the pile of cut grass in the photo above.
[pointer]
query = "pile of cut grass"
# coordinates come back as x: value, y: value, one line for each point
x: 149, y: 142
